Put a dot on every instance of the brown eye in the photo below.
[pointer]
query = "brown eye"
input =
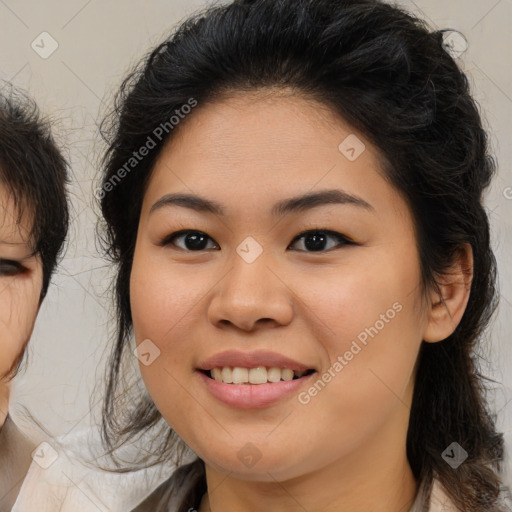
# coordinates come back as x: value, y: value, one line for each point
x: 318, y: 240
x: 192, y: 240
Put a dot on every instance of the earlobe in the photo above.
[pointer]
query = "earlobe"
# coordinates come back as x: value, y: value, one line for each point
x: 445, y: 312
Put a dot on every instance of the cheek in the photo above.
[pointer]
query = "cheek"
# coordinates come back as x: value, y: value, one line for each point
x: 165, y: 305
x: 19, y: 304
x: 370, y: 328
x: 160, y: 298
x: 162, y: 306
x: 361, y: 298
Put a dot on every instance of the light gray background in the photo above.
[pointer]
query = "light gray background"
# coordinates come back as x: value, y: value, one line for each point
x: 98, y: 41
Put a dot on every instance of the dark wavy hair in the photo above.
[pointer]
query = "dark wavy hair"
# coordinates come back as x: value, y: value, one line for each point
x: 34, y: 173
x: 389, y: 76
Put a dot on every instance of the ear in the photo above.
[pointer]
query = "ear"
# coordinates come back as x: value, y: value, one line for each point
x: 445, y: 311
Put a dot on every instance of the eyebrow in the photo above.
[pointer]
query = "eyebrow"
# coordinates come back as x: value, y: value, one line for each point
x: 286, y: 206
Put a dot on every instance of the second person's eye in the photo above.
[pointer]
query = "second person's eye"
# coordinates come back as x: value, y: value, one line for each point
x: 10, y: 268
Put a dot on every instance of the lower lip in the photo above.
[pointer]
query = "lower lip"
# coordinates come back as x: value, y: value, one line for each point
x: 253, y: 396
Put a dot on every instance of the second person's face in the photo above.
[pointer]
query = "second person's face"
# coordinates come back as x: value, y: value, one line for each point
x: 21, y: 277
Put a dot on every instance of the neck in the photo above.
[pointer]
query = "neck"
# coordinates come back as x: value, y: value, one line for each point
x: 389, y: 489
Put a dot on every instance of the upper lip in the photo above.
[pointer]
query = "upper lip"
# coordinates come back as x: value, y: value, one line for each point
x: 251, y: 360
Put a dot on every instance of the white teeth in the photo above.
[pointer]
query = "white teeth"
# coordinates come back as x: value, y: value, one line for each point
x: 217, y: 374
x: 274, y: 374
x: 259, y: 375
x: 287, y: 374
x: 240, y: 375
x: 227, y: 375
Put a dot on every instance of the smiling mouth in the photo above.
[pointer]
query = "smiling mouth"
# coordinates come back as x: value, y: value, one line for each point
x: 259, y: 375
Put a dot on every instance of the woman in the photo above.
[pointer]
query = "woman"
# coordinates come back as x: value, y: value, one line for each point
x: 293, y: 197
x: 34, y: 221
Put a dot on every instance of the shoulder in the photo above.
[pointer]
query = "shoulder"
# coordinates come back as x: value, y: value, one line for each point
x: 66, y: 477
x: 15, y: 456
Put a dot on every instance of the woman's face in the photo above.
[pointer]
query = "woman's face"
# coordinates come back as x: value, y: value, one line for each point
x: 254, y: 292
x: 21, y: 278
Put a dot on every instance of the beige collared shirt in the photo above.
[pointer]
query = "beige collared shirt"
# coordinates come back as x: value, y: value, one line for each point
x: 15, y: 459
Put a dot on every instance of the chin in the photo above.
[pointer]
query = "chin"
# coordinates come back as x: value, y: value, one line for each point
x: 249, y: 464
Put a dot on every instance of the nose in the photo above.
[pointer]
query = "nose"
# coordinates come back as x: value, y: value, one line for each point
x: 251, y: 296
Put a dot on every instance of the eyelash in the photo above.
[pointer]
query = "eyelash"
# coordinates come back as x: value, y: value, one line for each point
x: 11, y: 268
x: 341, y: 238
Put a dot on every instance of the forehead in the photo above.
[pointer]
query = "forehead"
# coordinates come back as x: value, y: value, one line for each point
x: 260, y: 124
x: 15, y: 219
x: 250, y: 149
